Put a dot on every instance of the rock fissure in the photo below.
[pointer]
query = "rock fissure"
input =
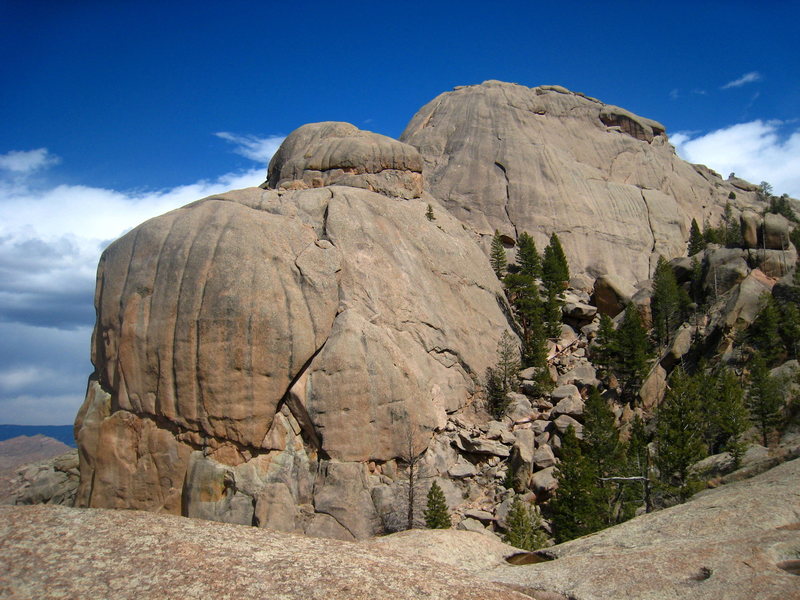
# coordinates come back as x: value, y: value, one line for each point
x: 507, y: 198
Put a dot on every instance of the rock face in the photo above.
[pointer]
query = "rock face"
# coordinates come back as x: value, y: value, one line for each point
x: 289, y: 337
x: 701, y: 549
x: 71, y: 553
x: 507, y: 157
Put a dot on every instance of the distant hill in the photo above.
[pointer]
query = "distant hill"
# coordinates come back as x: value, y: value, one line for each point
x: 62, y: 433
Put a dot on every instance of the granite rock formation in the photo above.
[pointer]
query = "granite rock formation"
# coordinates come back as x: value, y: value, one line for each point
x: 284, y: 337
x: 506, y: 157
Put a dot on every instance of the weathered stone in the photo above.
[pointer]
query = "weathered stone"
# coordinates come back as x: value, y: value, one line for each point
x: 50, y: 481
x: 581, y: 375
x: 569, y: 406
x: 775, y: 263
x: 481, y: 446
x: 564, y: 391
x: 611, y: 295
x: 342, y: 492
x: 210, y: 492
x: 519, y: 408
x: 275, y: 508
x: 507, y: 157
x: 579, y: 311
x: 330, y: 153
x: 653, y: 388
x: 543, y: 457
x: 544, y: 482
x: 680, y: 346
x: 540, y: 426
x: 776, y: 232
x: 462, y: 468
x: 692, y: 550
x: 563, y: 422
x: 76, y: 552
x: 724, y: 268
x: 522, y: 453
x: 479, y: 514
x: 750, y: 225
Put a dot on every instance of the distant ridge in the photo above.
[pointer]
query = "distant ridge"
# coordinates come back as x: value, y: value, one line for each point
x: 62, y: 433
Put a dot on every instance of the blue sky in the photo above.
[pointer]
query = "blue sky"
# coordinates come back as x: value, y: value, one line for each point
x: 117, y: 111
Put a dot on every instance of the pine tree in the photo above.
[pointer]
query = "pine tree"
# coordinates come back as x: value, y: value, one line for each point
x: 726, y: 416
x: 764, y: 398
x: 437, y: 516
x: 696, y: 241
x: 603, y: 448
x: 429, y: 213
x: 679, y: 434
x: 555, y: 268
x: 665, y: 302
x: 502, y: 378
x: 524, y: 527
x: 497, y: 256
x: 696, y: 285
x: 790, y: 328
x: 633, y: 350
x: 552, y: 312
x: 731, y: 231
x: 528, y: 259
x: 574, y: 509
x: 764, y: 333
x: 604, y: 350
x: 637, y: 465
x: 534, y: 354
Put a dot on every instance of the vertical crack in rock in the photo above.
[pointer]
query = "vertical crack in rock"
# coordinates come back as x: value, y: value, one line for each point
x: 652, y: 231
x: 299, y: 411
x: 508, y: 198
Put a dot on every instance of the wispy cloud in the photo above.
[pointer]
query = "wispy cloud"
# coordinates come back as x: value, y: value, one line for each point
x: 27, y: 161
x: 51, y: 237
x: 252, y: 147
x: 756, y: 151
x: 750, y: 77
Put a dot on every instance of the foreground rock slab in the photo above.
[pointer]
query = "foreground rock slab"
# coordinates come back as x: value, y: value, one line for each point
x: 736, y: 542
x: 60, y: 552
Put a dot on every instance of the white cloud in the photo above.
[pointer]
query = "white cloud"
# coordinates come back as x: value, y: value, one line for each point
x: 51, y: 238
x: 755, y: 151
x: 743, y: 80
x: 252, y: 147
x: 27, y: 161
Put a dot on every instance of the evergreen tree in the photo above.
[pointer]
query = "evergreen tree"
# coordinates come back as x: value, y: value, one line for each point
x: 666, y: 301
x: 528, y: 259
x: 764, y: 398
x: 696, y: 241
x: 497, y: 256
x: 790, y: 328
x: 524, y: 527
x: 603, y: 448
x: 552, y: 312
x: 637, y: 465
x: 679, y: 440
x: 604, y: 350
x: 574, y: 509
x: 437, y: 516
x: 764, y: 333
x: 726, y: 416
x: 534, y: 354
x: 502, y: 378
x: 696, y: 285
x: 429, y: 213
x: 731, y: 231
x: 555, y: 269
x: 633, y: 351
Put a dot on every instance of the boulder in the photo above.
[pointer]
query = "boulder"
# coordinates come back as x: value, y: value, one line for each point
x: 776, y: 232
x: 750, y: 225
x: 724, y: 268
x: 481, y: 446
x: 569, y: 406
x: 775, y: 263
x: 564, y: 391
x: 461, y: 469
x: 653, y: 388
x: 543, y: 457
x: 563, y: 422
x: 320, y: 154
x: 275, y: 508
x: 582, y: 375
x: 523, y: 452
x: 679, y: 347
x: 50, y: 481
x: 519, y: 408
x: 611, y: 295
x: 544, y: 482
x: 579, y: 311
